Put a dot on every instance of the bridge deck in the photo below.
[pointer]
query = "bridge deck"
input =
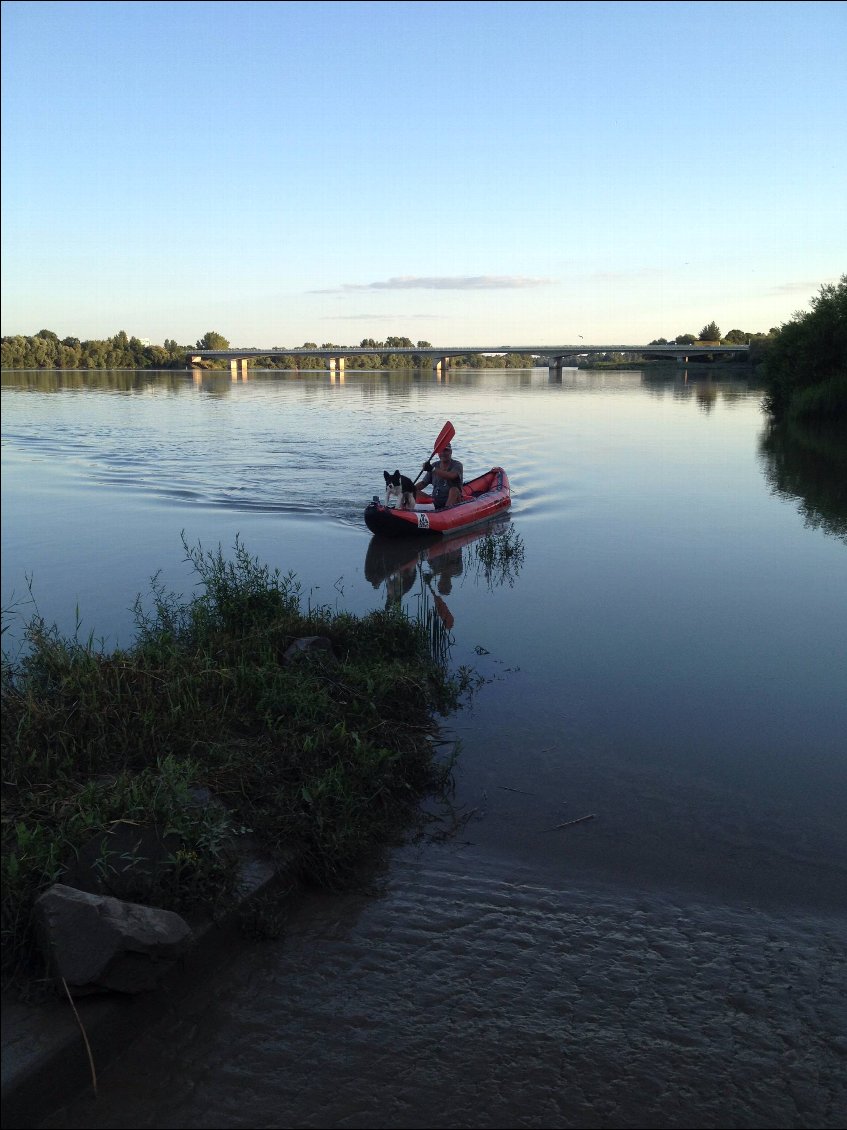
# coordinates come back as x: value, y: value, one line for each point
x: 546, y: 351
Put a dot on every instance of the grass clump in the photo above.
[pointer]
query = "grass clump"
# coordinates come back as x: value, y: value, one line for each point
x: 500, y: 555
x: 141, y: 770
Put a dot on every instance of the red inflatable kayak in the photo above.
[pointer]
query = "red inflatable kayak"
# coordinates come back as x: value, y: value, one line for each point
x: 482, y: 498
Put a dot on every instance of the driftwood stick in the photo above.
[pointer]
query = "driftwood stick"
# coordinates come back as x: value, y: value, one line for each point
x: 84, y: 1037
x: 570, y: 823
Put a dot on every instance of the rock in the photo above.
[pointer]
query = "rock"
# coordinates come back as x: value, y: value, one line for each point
x: 97, y: 943
x: 311, y: 647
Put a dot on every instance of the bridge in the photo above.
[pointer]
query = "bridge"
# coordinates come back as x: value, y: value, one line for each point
x: 555, y: 357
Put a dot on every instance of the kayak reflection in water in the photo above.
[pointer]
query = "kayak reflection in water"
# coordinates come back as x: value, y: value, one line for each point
x: 447, y: 566
x: 494, y: 549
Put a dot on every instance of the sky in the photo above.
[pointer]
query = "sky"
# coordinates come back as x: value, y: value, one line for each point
x: 462, y: 173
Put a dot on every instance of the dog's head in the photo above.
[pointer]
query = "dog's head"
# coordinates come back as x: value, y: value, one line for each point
x: 392, y: 480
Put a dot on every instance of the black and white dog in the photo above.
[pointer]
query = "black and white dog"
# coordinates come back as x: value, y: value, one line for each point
x: 401, y: 488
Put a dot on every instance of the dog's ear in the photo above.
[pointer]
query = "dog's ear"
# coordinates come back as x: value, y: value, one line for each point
x: 386, y: 476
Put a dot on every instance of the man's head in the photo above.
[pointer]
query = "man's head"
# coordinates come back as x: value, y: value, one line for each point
x: 446, y: 451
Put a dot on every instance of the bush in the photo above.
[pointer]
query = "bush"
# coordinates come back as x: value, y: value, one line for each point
x: 805, y: 368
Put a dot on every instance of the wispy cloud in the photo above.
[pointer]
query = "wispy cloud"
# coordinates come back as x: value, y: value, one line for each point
x: 444, y: 282
x: 381, y: 317
x: 807, y: 288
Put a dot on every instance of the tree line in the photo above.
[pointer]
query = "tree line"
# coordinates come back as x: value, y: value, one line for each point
x: 711, y: 335
x: 45, y: 350
x: 803, y: 362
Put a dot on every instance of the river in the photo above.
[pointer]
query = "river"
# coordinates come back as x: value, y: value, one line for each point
x: 666, y: 652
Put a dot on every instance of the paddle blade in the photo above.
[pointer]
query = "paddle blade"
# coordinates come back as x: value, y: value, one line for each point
x: 444, y: 613
x: 444, y: 436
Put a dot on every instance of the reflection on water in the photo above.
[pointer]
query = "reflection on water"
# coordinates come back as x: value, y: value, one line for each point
x: 807, y: 461
x: 102, y: 380
x: 726, y: 386
x: 491, y: 553
x: 422, y: 572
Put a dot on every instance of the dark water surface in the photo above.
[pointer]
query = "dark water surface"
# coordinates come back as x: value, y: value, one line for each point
x: 668, y: 654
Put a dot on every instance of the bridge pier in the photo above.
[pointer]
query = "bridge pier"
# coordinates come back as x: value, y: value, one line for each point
x: 440, y: 365
x: 336, y: 365
x: 238, y: 365
x: 556, y: 364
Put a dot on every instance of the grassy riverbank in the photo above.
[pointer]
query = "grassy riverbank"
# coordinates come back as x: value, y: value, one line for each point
x: 145, y: 770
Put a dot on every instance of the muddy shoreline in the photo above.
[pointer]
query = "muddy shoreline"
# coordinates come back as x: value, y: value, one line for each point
x: 462, y: 990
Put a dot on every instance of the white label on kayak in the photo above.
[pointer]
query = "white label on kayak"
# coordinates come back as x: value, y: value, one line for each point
x: 423, y: 522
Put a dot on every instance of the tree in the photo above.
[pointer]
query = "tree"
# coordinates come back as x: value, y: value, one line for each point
x: 158, y: 356
x: 69, y: 356
x: 685, y: 339
x: 45, y: 351
x: 13, y: 351
x: 711, y: 332
x: 737, y: 337
x: 212, y: 340
x: 805, y: 368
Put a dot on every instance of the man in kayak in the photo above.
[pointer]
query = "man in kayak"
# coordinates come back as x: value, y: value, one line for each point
x: 446, y: 478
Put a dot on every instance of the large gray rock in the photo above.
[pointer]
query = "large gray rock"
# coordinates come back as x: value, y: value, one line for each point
x: 311, y: 647
x: 98, y: 943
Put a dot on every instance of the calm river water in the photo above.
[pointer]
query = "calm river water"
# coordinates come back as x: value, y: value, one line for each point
x: 667, y: 654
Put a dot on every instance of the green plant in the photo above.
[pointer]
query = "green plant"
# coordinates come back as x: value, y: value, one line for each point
x: 805, y: 368
x: 134, y: 770
x: 500, y: 555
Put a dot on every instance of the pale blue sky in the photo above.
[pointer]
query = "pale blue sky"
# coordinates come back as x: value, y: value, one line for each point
x: 467, y: 173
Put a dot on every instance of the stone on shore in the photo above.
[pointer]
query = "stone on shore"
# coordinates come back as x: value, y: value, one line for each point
x: 96, y: 943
